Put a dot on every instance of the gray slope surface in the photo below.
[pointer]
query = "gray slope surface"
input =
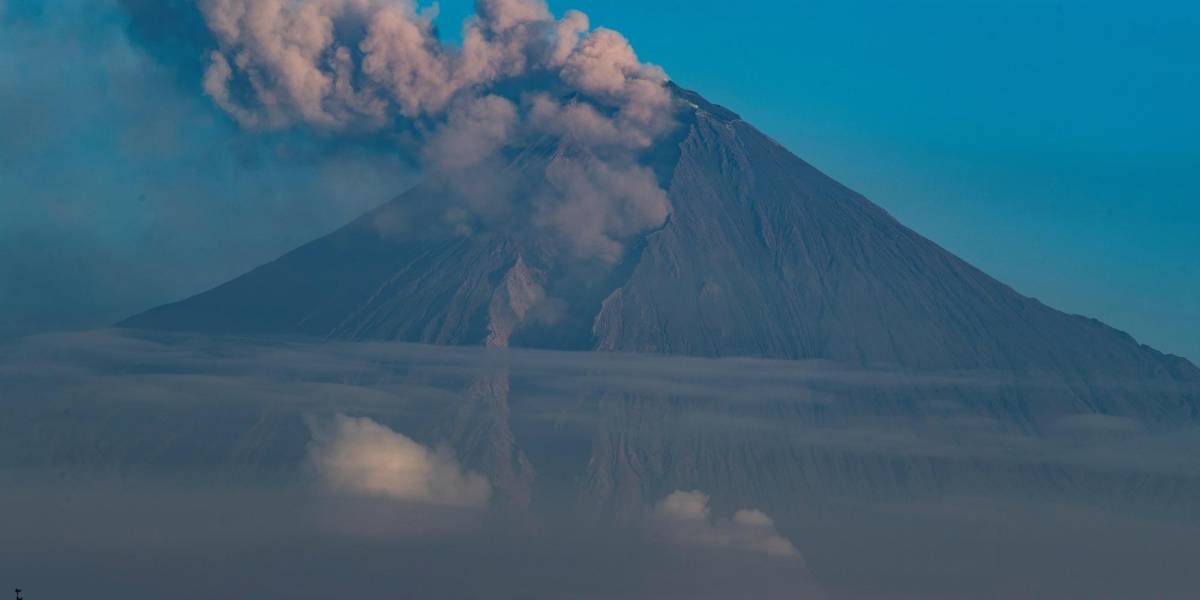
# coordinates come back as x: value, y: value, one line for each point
x: 763, y: 255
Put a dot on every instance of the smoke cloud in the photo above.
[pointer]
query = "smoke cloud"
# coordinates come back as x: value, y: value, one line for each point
x: 685, y: 518
x: 520, y: 78
x: 363, y: 63
x: 163, y: 147
x: 360, y: 457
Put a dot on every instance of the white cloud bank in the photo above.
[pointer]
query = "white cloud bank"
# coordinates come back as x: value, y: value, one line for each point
x: 685, y: 518
x: 359, y: 457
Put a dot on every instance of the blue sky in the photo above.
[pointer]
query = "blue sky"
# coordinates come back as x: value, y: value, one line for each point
x: 1052, y: 144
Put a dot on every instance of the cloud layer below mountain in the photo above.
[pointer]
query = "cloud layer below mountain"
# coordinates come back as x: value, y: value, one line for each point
x: 146, y: 464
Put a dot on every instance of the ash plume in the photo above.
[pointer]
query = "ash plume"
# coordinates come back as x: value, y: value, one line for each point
x: 521, y: 78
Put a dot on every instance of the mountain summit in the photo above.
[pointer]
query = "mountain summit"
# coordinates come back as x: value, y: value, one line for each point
x: 761, y: 255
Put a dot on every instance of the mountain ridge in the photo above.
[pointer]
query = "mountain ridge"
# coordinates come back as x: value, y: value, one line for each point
x: 761, y: 255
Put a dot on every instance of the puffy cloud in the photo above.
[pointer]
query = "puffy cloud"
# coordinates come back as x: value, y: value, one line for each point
x: 603, y: 63
x: 567, y: 33
x: 685, y: 518
x: 277, y: 47
x: 359, y: 457
x: 402, y: 57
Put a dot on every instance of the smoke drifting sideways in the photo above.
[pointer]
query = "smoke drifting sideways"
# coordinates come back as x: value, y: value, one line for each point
x: 521, y: 78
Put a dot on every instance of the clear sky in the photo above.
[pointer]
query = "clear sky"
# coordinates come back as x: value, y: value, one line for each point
x: 1056, y: 145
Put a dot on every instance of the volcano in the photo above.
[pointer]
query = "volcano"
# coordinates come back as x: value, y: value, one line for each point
x: 762, y: 255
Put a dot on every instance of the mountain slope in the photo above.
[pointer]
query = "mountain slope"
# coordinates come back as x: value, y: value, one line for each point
x: 762, y: 255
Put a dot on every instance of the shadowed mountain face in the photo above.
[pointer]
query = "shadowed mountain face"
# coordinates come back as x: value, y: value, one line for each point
x: 762, y: 255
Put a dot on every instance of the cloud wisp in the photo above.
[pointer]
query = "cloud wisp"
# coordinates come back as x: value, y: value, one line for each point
x: 359, y: 457
x: 684, y: 518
